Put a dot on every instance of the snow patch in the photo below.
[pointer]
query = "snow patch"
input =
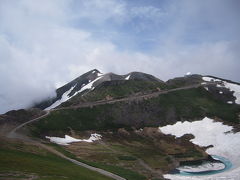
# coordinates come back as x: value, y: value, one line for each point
x: 236, y: 89
x: 99, y: 74
x: 188, y: 73
x: 64, y: 98
x: 220, y: 92
x: 68, y: 139
x: 208, y: 132
x: 127, y: 78
x: 209, y: 79
x: 230, y: 102
x: 231, y: 86
x: 93, y: 72
x: 90, y: 85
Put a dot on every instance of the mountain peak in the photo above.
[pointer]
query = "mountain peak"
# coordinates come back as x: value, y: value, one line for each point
x: 87, y: 82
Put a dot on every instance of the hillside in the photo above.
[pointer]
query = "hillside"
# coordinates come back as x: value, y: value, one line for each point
x: 87, y: 83
x: 111, y: 121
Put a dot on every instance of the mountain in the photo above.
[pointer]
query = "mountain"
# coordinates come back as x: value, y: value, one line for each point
x: 88, y: 82
x: 140, y: 100
x: 80, y: 84
x: 135, y: 126
x: 95, y: 86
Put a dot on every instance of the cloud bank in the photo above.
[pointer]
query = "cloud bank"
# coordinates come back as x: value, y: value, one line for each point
x: 44, y: 44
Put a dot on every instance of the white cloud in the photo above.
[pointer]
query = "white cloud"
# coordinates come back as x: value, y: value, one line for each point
x: 43, y: 45
x: 99, y: 11
x: 149, y: 12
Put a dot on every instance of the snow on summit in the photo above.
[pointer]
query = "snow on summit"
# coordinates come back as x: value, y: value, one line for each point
x: 66, y: 96
x: 89, y: 85
x: 127, y: 78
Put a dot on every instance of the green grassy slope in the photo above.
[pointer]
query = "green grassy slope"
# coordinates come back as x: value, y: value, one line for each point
x: 125, y: 173
x: 116, y: 89
x: 188, y: 104
x: 195, y: 103
x: 23, y: 160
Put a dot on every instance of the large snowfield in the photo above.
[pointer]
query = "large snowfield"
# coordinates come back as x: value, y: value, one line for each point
x: 209, y: 132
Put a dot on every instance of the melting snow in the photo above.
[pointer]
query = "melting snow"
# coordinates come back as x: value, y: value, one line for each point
x: 68, y: 139
x: 89, y: 85
x: 231, y: 86
x: 208, y: 132
x: 99, y: 74
x: 209, y: 79
x: 64, y: 98
x: 127, y: 78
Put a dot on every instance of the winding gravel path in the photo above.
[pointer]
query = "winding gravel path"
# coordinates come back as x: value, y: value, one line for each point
x: 13, y: 134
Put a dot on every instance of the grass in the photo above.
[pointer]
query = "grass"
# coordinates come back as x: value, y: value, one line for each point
x: 126, y: 152
x: 80, y: 119
x: 127, y: 158
x: 116, y: 90
x: 126, y: 88
x: 125, y: 173
x: 196, y: 103
x: 45, y: 166
x: 128, y: 174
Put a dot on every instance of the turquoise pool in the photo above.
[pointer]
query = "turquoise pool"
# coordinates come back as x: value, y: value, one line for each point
x: 225, y: 161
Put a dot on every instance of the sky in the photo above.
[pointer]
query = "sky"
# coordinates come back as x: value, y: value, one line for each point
x: 46, y: 43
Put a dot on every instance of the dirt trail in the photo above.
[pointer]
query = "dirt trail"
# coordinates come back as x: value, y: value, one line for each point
x: 13, y: 134
x: 128, y: 99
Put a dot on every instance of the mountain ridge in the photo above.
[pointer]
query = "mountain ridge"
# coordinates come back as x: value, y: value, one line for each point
x: 94, y: 79
x: 88, y: 81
